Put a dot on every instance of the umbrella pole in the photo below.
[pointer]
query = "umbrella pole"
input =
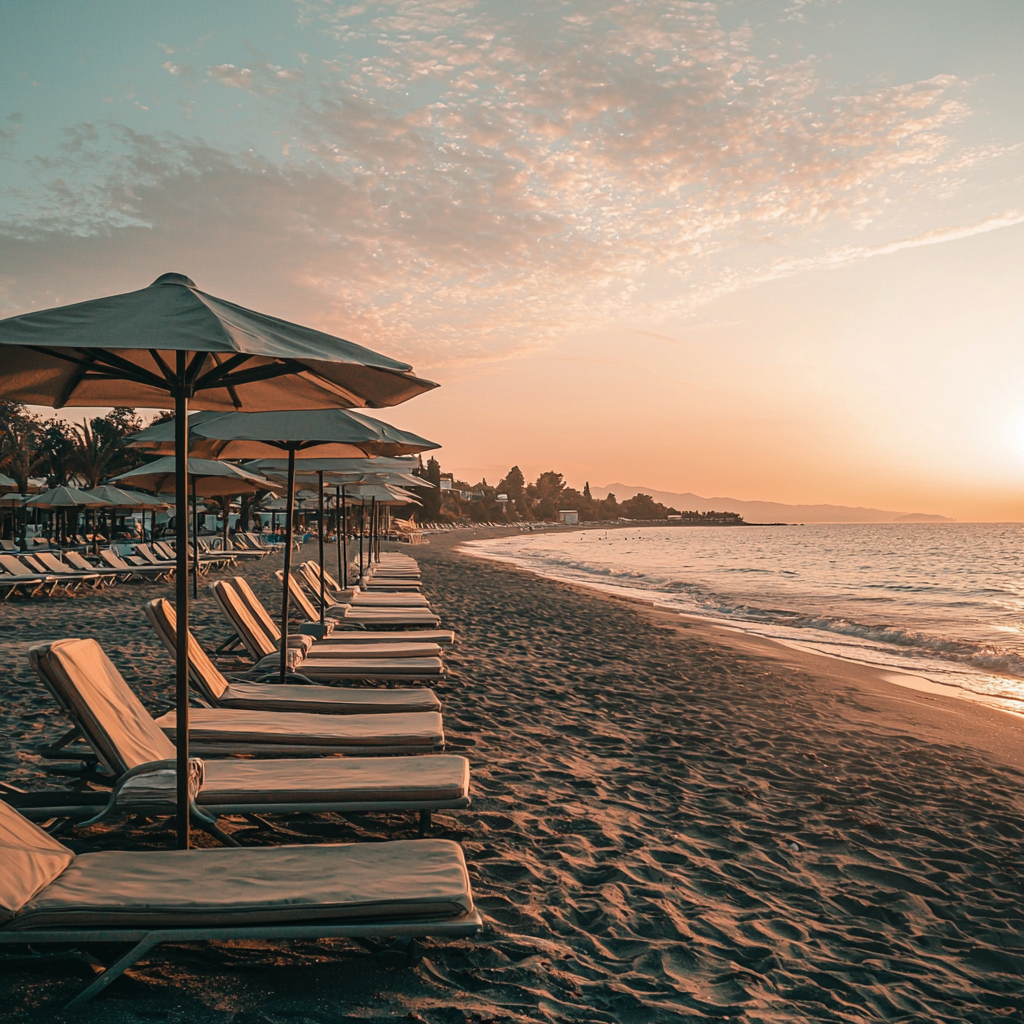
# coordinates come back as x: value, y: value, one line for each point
x: 337, y: 525
x: 181, y: 597
x: 362, y: 521
x: 287, y: 565
x: 322, y: 569
x: 195, y: 542
x: 374, y: 543
x: 344, y: 541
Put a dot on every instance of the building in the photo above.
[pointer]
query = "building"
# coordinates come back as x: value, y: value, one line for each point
x: 569, y: 516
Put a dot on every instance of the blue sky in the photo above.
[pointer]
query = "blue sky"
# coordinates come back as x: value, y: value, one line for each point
x: 798, y: 221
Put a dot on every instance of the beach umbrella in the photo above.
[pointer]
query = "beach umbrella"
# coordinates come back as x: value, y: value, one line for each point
x: 171, y: 345
x: 209, y: 478
x: 329, y: 431
x: 334, y: 433
x: 7, y: 484
x: 65, y: 497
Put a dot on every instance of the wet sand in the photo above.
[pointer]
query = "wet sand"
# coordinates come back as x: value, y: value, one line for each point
x: 669, y: 822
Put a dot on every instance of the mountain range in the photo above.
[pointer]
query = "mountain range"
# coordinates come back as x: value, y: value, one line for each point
x: 769, y: 511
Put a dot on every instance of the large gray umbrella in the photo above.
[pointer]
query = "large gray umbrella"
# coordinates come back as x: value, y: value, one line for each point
x: 255, y: 435
x: 331, y: 432
x: 169, y: 345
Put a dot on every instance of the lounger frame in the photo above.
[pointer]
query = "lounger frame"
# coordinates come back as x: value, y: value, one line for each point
x: 147, y: 939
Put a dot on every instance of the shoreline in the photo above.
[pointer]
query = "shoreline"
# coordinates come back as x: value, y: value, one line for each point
x: 893, y: 675
x: 926, y: 711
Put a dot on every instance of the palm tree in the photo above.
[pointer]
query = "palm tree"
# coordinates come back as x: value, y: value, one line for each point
x: 92, y: 455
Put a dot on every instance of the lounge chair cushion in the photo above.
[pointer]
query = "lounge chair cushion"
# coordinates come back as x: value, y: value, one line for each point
x: 327, y: 699
x: 370, y: 779
x: 359, y: 668
x: 423, y: 878
x: 29, y: 861
x: 88, y: 681
x: 419, y: 729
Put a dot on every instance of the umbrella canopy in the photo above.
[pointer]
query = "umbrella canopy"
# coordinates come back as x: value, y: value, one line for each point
x: 114, y: 497
x: 7, y: 484
x: 171, y: 344
x: 334, y: 433
x: 212, y: 479
x: 70, y: 355
x: 347, y: 467
x: 67, y: 497
x: 13, y: 500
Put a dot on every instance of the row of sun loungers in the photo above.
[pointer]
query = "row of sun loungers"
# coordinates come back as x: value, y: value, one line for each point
x: 389, y: 889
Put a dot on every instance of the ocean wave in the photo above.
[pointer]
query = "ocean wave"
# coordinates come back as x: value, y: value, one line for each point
x: 941, y: 607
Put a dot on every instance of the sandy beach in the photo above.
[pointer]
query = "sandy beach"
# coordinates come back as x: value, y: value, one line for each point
x: 670, y: 822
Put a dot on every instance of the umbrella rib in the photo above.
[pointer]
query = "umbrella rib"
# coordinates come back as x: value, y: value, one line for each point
x: 82, y: 367
x: 213, y: 377
x: 198, y: 362
x: 257, y: 373
x: 168, y: 373
x: 237, y: 360
x: 128, y: 370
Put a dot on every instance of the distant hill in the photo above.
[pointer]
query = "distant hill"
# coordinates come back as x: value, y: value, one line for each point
x: 770, y: 511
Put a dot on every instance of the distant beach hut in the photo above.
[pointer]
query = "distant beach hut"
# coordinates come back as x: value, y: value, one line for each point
x: 569, y: 516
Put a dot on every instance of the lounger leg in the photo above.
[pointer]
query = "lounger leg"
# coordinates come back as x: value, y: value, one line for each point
x: 424, y: 823
x: 112, y: 973
x: 209, y: 824
x: 53, y: 750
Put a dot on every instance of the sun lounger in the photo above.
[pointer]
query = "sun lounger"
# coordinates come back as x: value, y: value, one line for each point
x: 359, y: 635
x: 372, y: 617
x: 77, y: 561
x: 358, y: 597
x: 127, y: 572
x: 30, y: 581
x: 111, y: 727
x: 50, y: 895
x: 252, y: 695
x: 328, y: 645
x: 149, y: 557
x: 49, y: 562
x: 390, y: 663
x: 82, y: 679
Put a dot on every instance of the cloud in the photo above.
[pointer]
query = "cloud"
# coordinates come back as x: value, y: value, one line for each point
x: 851, y: 254
x: 463, y: 180
x: 228, y: 74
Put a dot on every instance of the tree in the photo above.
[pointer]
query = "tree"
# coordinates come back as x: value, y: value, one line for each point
x: 547, y: 493
x: 513, y: 484
x: 20, y: 455
x: 431, y: 497
x: 92, y: 455
x: 111, y: 430
x: 643, y: 506
x: 58, y: 445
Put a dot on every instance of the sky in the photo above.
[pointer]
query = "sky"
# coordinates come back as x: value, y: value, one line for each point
x: 767, y: 250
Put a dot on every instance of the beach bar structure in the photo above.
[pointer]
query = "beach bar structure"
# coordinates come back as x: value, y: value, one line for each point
x: 568, y: 516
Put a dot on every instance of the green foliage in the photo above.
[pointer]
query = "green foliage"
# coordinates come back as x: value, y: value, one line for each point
x: 643, y: 506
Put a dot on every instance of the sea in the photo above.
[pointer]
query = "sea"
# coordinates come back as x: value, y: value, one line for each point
x: 937, y: 606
